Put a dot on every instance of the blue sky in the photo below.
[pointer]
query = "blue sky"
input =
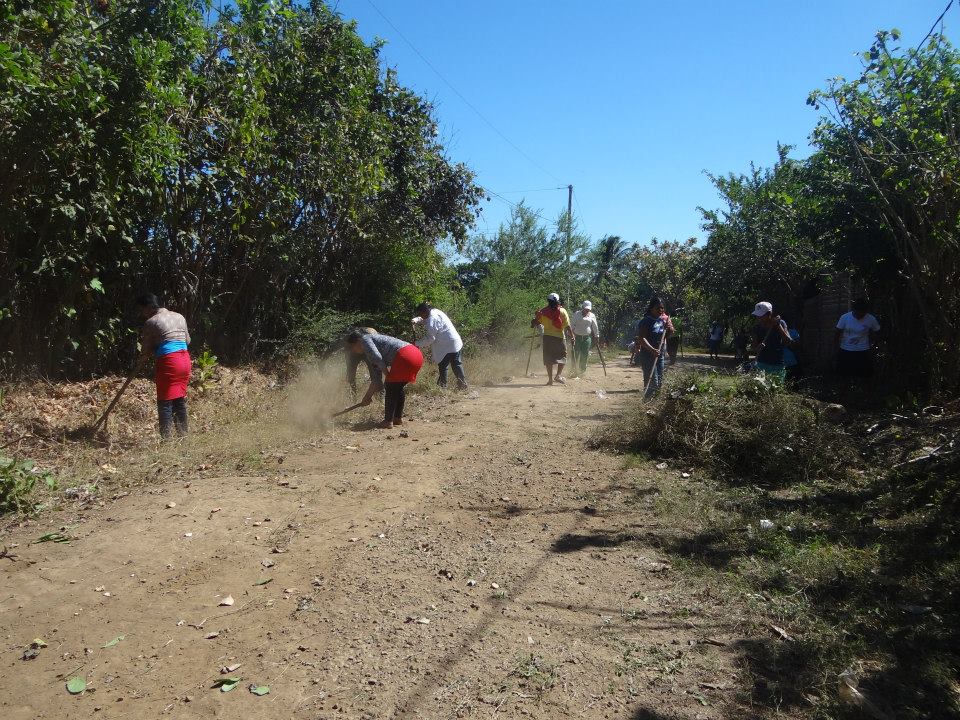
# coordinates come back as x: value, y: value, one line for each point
x: 630, y: 101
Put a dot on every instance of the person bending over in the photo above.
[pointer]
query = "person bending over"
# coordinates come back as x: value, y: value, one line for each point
x: 394, y: 358
x: 165, y: 338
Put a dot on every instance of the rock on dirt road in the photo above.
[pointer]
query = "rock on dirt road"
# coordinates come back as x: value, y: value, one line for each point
x: 446, y: 571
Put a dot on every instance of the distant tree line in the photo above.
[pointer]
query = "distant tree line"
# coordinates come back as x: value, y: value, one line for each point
x: 877, y: 202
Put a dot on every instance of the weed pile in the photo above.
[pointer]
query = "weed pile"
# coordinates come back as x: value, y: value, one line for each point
x: 746, y: 430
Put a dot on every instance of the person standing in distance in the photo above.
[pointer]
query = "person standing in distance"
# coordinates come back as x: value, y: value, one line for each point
x: 444, y: 341
x: 165, y: 338
x: 856, y: 331
x: 652, y: 331
x: 585, y: 332
x: 556, y: 326
x: 770, y: 337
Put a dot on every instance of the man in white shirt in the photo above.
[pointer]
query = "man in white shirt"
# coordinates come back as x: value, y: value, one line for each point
x: 585, y: 332
x: 855, y: 332
x: 444, y: 342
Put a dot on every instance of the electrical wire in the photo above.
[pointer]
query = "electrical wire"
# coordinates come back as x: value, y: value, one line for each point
x: 514, y: 205
x: 517, y: 192
x: 461, y: 96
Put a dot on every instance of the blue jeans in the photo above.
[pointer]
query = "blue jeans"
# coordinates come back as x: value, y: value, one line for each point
x: 172, y: 413
x: 455, y: 360
x: 651, y: 366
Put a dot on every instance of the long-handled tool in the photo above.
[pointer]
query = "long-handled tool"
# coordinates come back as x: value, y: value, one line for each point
x: 92, y: 430
x: 602, y: 362
x: 656, y: 359
x: 533, y: 337
x: 346, y: 410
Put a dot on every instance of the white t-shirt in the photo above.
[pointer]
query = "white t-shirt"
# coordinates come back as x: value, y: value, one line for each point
x: 716, y: 331
x: 584, y: 325
x: 440, y: 335
x: 856, y: 333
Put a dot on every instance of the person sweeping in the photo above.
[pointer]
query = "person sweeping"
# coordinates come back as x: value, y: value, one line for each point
x: 165, y: 338
x: 353, y: 362
x: 397, y: 360
x: 652, y: 330
x: 585, y: 333
x: 556, y: 326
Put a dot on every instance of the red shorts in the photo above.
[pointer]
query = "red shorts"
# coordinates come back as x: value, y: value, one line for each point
x: 172, y: 375
x: 406, y: 365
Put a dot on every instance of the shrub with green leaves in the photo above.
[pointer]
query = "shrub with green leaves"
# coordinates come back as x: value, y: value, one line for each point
x: 744, y: 429
x: 17, y: 479
x: 207, y: 364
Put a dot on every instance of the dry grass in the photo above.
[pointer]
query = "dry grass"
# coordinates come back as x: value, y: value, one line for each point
x: 243, y: 419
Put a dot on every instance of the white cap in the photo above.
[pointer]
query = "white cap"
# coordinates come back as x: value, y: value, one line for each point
x: 762, y: 308
x: 553, y: 296
x: 587, y: 305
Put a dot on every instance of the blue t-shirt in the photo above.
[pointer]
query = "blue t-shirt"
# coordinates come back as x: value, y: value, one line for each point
x: 772, y: 353
x: 652, y: 328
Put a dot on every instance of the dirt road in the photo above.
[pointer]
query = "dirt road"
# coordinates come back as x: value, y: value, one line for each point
x: 481, y: 563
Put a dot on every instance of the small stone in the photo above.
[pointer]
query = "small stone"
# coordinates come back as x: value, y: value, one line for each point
x: 471, y: 582
x: 494, y: 586
x: 171, y: 505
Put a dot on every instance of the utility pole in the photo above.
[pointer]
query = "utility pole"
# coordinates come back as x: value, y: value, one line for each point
x: 569, y: 299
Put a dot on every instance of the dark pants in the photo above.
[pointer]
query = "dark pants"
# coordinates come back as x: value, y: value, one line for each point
x: 172, y: 413
x: 855, y: 363
x: 394, y: 398
x: 455, y: 361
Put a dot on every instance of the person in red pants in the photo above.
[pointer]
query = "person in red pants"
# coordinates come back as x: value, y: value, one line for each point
x: 394, y: 358
x: 165, y: 338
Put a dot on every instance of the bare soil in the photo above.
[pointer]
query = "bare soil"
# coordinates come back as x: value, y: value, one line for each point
x: 481, y: 562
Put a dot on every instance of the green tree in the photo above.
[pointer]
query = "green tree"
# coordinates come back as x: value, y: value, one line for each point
x: 892, y: 133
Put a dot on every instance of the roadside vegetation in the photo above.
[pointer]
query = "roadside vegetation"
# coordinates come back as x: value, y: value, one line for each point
x: 842, y: 537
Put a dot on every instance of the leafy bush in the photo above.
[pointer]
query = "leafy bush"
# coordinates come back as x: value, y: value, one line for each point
x: 207, y: 364
x: 17, y: 479
x: 318, y: 330
x: 745, y: 429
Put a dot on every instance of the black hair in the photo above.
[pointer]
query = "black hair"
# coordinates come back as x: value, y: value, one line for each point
x: 424, y: 307
x: 654, y: 301
x: 148, y: 300
x: 861, y: 305
x: 352, y: 337
x: 553, y: 303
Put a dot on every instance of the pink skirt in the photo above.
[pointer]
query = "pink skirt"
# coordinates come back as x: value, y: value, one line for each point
x: 172, y: 375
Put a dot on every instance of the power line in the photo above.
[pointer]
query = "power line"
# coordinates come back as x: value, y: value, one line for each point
x: 517, y: 192
x: 516, y: 205
x: 576, y: 201
x: 935, y: 23
x: 460, y: 95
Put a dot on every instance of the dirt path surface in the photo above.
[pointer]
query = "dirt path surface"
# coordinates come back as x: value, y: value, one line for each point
x: 481, y: 563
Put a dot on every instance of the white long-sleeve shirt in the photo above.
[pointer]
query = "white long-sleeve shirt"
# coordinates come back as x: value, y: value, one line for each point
x: 440, y: 335
x: 585, y: 325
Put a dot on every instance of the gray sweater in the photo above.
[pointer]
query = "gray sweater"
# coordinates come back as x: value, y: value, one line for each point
x: 380, y: 351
